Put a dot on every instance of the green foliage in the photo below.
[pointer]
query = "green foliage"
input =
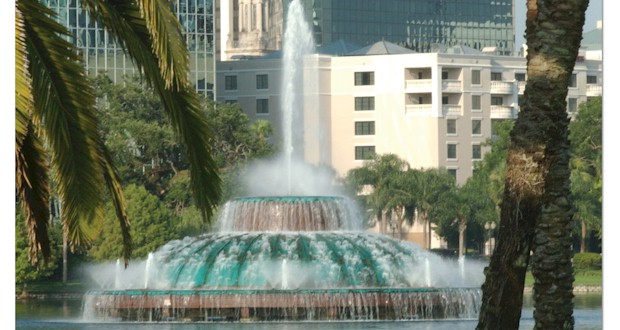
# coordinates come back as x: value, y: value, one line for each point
x: 587, y: 261
x: 236, y: 138
x: 25, y: 272
x: 395, y: 189
x: 587, y: 165
x: 136, y: 130
x: 151, y: 226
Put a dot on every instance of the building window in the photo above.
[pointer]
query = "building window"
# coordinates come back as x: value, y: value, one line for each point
x: 476, y: 151
x: 262, y: 81
x: 364, y: 152
x: 452, y: 171
x: 230, y: 83
x: 573, y: 80
x: 444, y: 75
x: 572, y: 104
x: 364, y: 78
x: 476, y: 126
x: 262, y: 106
x: 451, y: 126
x: 475, y: 77
x: 364, y: 128
x: 497, y: 100
x: 591, y: 79
x: 496, y: 76
x: 476, y: 103
x: 520, y: 76
x: 364, y: 103
x: 451, y: 151
x: 445, y: 100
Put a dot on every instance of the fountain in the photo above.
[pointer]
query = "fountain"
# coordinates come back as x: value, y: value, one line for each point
x: 292, y: 254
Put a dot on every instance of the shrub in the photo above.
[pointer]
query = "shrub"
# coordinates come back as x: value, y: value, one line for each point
x: 588, y: 260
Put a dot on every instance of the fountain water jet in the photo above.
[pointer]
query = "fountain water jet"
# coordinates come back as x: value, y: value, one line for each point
x: 292, y: 255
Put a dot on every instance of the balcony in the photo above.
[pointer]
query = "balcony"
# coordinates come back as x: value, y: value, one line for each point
x: 501, y: 87
x: 594, y: 90
x: 419, y: 85
x: 503, y: 112
x: 418, y: 108
x: 452, y: 110
x: 451, y: 85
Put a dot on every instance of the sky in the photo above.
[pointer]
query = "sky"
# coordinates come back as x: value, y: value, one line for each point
x: 593, y: 14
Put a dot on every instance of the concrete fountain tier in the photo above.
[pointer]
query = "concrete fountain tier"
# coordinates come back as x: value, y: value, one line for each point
x: 289, y: 213
x: 285, y: 305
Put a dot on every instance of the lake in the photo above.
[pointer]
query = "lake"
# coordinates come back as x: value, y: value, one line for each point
x: 66, y: 314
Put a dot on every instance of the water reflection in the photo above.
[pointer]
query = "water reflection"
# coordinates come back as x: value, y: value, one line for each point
x: 38, y: 314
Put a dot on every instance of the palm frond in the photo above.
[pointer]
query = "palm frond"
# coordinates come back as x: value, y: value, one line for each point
x: 64, y: 106
x: 23, y: 98
x: 31, y: 183
x: 125, y: 21
x: 167, y: 42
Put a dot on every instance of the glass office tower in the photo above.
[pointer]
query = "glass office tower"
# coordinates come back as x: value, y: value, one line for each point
x: 102, y: 54
x: 415, y: 24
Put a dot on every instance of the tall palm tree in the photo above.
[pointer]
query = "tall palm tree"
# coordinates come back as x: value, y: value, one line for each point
x: 535, y: 210
x: 56, y: 116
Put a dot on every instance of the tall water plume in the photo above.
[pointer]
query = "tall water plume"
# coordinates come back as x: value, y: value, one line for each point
x: 298, y: 42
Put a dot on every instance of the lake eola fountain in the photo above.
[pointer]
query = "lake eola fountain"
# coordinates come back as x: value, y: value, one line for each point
x: 289, y: 258
x: 295, y: 254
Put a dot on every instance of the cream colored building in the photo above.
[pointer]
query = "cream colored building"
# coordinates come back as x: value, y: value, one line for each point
x: 431, y: 109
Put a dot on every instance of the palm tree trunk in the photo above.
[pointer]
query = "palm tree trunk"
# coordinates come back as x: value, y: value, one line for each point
x: 535, y: 210
x: 65, y: 261
x: 584, y: 237
x: 462, y: 228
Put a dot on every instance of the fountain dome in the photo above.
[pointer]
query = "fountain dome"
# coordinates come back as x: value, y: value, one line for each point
x: 288, y: 242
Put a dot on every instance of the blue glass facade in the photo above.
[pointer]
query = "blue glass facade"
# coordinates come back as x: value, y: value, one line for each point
x: 415, y: 24
x: 102, y: 54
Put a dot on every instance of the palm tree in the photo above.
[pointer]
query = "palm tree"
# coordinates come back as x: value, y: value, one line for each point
x: 535, y: 210
x: 56, y: 125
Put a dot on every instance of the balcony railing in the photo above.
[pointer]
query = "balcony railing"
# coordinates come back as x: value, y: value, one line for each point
x: 418, y: 108
x: 451, y: 85
x: 419, y: 84
x: 452, y: 109
x: 594, y: 90
x: 503, y: 112
x: 501, y: 87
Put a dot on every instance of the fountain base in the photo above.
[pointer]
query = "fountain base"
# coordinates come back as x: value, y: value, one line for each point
x: 283, y: 305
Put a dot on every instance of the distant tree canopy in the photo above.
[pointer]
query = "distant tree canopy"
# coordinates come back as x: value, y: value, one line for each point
x: 154, y: 168
x: 152, y: 225
x: 587, y: 167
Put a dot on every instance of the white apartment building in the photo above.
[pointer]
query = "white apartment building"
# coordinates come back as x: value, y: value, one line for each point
x: 431, y: 109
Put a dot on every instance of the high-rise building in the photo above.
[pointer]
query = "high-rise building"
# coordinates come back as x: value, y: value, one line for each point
x: 255, y: 27
x: 102, y: 54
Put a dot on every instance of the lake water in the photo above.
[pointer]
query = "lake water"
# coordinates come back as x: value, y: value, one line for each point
x: 66, y: 314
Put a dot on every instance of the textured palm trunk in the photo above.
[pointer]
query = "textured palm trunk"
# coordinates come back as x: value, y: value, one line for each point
x: 535, y: 211
x: 584, y: 237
